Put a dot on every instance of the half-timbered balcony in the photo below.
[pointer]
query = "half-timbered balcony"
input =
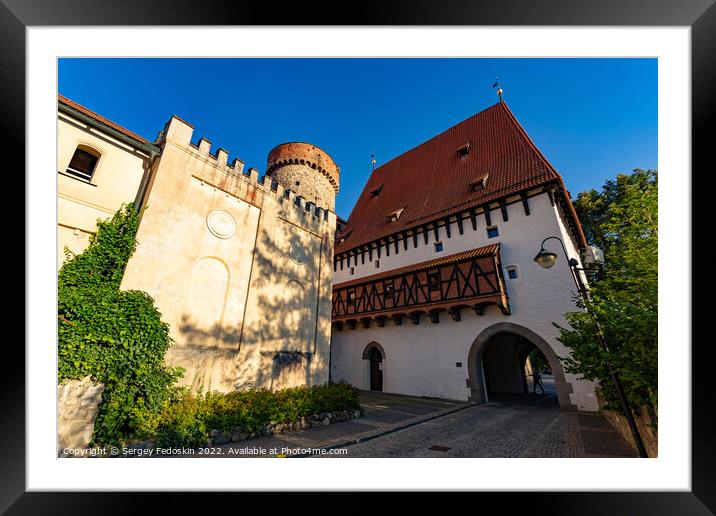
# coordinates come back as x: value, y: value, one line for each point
x: 471, y: 279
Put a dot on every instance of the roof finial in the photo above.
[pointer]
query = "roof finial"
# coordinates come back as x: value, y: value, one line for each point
x: 372, y: 160
x: 497, y: 85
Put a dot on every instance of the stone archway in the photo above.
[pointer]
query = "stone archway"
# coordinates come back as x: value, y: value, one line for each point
x: 475, y: 370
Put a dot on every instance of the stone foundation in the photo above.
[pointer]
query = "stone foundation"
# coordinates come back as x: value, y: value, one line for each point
x: 77, y: 403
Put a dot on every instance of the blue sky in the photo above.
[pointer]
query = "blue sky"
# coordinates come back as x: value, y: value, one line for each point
x: 592, y: 118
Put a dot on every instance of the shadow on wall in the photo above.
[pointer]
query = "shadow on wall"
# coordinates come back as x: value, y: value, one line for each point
x: 277, y: 346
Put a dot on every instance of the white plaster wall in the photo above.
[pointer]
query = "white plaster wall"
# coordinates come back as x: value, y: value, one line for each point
x: 115, y: 181
x: 420, y: 359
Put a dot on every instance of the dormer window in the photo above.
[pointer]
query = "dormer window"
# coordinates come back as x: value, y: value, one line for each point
x: 395, y: 215
x: 479, y: 185
x: 376, y: 192
x: 342, y: 238
x: 463, y: 151
x: 83, y: 163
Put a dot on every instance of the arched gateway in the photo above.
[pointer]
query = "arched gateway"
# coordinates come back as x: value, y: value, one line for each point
x: 524, y: 339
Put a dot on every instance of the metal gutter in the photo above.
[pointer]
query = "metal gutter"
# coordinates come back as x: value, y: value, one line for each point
x: 152, y: 150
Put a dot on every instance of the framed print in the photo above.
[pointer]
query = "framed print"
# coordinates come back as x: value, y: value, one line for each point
x: 271, y: 260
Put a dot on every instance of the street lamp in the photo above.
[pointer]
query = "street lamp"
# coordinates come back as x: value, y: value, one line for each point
x: 546, y: 260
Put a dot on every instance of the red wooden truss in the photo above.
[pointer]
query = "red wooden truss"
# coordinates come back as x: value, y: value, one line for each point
x: 471, y: 279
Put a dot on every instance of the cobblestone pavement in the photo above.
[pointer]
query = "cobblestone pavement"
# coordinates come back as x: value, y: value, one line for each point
x: 406, y: 426
x: 517, y: 426
x: 383, y: 413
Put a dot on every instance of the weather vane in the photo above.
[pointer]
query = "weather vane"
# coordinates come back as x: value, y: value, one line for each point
x: 497, y: 85
x: 372, y: 160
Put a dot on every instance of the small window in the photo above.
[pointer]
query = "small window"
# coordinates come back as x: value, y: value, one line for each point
x: 434, y: 280
x: 353, y: 271
x: 342, y: 238
x: 395, y: 215
x: 388, y: 289
x: 463, y: 151
x: 351, y: 298
x: 376, y: 192
x: 83, y: 164
x: 377, y: 264
x: 479, y: 185
x: 512, y: 272
x: 492, y: 232
x: 438, y: 247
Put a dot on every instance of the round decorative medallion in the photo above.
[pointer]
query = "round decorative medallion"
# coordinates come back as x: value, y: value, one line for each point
x: 298, y: 252
x: 221, y: 224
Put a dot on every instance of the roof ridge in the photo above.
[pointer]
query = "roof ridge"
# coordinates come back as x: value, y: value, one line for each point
x: 526, y: 136
x: 411, y: 149
x: 432, y: 138
x: 572, y: 210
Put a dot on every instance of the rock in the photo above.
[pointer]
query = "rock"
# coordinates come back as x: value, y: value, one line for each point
x: 239, y: 436
x: 213, y: 433
x: 222, y: 438
x: 326, y: 421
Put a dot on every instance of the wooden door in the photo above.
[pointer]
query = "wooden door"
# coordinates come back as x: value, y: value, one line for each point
x: 376, y: 370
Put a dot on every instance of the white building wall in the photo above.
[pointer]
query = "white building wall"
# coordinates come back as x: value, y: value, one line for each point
x: 115, y: 181
x: 421, y: 359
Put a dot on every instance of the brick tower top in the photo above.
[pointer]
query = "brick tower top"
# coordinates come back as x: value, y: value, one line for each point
x: 306, y: 170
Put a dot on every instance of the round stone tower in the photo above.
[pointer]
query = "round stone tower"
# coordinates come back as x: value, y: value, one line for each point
x: 307, y: 171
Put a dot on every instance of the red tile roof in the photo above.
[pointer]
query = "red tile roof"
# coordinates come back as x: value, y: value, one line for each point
x: 492, y: 249
x: 432, y: 181
x: 100, y: 118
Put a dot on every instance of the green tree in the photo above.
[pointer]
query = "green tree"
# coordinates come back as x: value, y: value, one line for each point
x: 621, y: 219
x: 115, y: 336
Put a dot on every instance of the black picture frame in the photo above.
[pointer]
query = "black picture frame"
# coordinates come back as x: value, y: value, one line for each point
x: 699, y: 15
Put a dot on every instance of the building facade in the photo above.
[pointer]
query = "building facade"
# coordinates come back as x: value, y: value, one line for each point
x: 428, y: 289
x: 100, y: 166
x: 239, y: 267
x: 435, y: 289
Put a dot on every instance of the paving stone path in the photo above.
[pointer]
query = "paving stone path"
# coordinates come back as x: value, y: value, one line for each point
x: 405, y: 426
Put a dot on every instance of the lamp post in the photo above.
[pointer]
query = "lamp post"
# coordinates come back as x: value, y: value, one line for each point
x: 546, y: 259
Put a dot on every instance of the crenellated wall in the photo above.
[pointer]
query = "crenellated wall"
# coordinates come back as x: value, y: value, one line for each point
x: 306, y: 170
x: 240, y: 268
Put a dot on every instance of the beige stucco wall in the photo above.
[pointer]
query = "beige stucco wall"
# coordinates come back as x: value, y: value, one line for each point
x: 116, y: 181
x: 214, y: 252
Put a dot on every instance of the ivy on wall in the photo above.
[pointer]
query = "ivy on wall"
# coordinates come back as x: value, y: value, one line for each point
x: 117, y: 337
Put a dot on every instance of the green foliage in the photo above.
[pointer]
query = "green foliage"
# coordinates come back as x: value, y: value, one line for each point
x: 188, y: 418
x: 115, y: 336
x: 118, y: 338
x: 622, y: 219
x: 538, y: 361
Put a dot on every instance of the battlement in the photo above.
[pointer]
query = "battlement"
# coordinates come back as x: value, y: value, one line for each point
x: 299, y: 153
x: 180, y: 132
